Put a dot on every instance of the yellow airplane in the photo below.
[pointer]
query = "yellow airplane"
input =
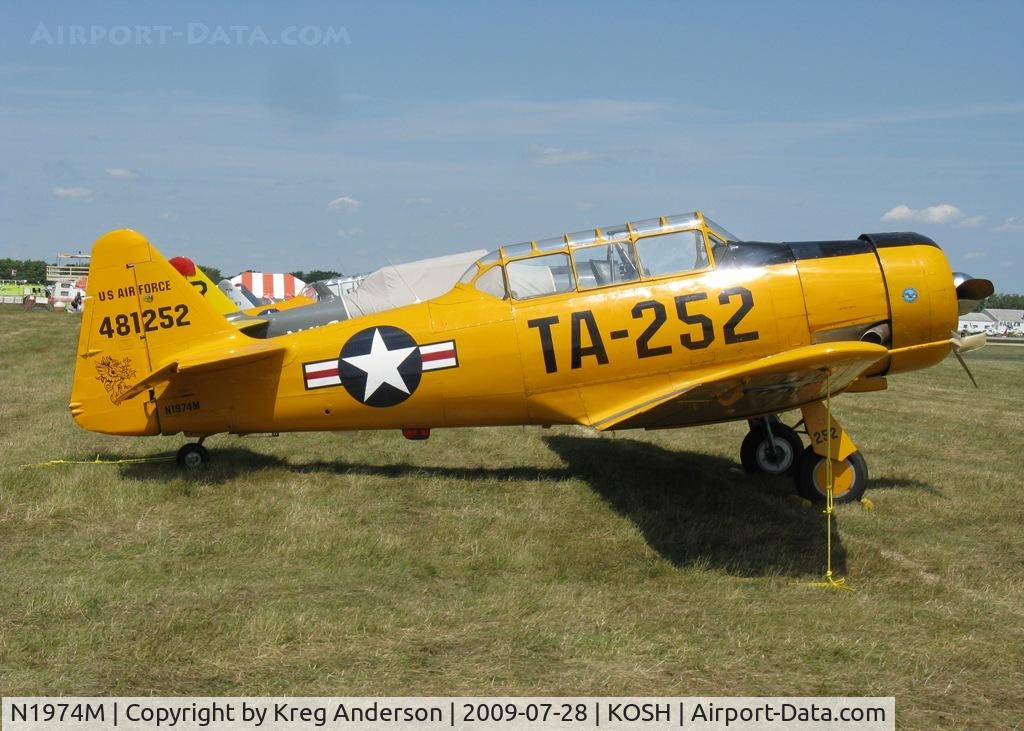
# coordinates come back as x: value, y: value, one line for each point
x: 203, y: 284
x: 220, y: 301
x: 654, y: 324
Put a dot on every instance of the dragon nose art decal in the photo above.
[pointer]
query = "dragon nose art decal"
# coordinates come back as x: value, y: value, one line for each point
x: 380, y: 366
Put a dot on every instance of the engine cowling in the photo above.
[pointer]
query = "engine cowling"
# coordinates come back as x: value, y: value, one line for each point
x: 922, y: 298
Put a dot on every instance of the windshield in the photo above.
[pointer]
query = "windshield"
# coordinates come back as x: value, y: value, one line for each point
x: 721, y: 230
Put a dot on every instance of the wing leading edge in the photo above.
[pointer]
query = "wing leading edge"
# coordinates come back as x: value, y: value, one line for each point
x: 765, y: 386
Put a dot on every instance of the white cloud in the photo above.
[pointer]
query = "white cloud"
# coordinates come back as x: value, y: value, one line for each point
x: 972, y: 221
x: 559, y: 156
x: 584, y: 206
x: 973, y: 255
x: 168, y: 216
x: 344, y: 202
x: 350, y: 232
x: 122, y: 173
x: 1011, y: 225
x: 421, y: 201
x: 942, y: 213
x: 74, y: 193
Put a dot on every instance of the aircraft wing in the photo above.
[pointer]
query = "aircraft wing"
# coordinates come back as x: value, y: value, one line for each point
x: 208, y: 356
x: 768, y: 385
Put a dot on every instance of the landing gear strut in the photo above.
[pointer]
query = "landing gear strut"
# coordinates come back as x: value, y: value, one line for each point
x: 770, y: 447
x: 193, y: 455
x: 849, y: 469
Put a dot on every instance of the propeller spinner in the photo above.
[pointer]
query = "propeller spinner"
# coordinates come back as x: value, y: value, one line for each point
x: 970, y: 291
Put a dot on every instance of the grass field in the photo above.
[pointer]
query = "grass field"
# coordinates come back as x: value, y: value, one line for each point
x: 515, y: 561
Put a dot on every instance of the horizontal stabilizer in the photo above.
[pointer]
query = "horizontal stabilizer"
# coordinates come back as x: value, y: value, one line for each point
x: 221, y: 353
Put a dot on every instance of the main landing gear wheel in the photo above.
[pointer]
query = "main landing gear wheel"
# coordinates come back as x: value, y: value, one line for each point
x: 849, y: 477
x: 771, y: 449
x: 193, y: 456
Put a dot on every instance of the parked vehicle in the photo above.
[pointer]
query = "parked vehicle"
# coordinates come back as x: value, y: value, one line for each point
x: 64, y: 294
x: 26, y: 294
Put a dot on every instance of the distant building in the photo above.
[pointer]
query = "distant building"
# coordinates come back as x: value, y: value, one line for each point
x: 69, y: 268
x: 1007, y: 321
x: 993, y: 322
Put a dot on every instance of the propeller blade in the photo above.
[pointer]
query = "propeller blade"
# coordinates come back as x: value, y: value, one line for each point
x: 967, y: 343
x: 966, y: 369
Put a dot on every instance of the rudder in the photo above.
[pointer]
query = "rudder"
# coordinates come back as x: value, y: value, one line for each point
x: 139, y: 311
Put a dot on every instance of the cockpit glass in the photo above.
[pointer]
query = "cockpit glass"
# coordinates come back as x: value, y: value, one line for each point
x: 718, y: 246
x: 488, y: 258
x: 720, y: 230
x: 510, y: 250
x: 605, y: 264
x: 541, y: 275
x: 682, y: 220
x: 553, y: 244
x: 672, y: 253
x: 648, y: 226
x: 492, y: 282
x: 581, y: 238
x: 616, y: 233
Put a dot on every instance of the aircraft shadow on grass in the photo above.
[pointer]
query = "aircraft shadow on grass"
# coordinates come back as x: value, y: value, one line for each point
x: 903, y: 483
x: 701, y: 509
x: 693, y: 509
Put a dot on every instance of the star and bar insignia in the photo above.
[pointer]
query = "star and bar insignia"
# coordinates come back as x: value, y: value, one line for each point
x: 380, y: 366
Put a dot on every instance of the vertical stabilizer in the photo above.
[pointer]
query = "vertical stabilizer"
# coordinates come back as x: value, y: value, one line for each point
x: 138, y: 313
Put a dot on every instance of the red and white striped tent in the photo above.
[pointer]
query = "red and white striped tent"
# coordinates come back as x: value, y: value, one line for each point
x: 270, y: 284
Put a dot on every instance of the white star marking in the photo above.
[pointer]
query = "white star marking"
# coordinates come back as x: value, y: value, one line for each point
x: 381, y: 365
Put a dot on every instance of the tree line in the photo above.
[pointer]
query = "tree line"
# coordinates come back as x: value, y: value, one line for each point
x: 1002, y: 302
x: 316, y: 275
x: 34, y: 270
x: 31, y: 270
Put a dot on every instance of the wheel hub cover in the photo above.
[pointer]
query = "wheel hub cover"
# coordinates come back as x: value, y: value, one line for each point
x: 843, y: 476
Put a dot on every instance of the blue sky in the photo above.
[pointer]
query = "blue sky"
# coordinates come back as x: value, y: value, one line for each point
x: 347, y: 135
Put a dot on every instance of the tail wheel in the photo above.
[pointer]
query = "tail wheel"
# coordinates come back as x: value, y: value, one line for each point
x: 193, y: 456
x: 849, y: 477
x: 776, y: 454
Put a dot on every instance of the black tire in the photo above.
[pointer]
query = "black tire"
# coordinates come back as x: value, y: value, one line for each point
x: 756, y: 454
x: 192, y: 456
x: 810, y: 487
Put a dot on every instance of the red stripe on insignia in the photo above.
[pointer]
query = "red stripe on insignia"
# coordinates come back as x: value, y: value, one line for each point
x: 325, y: 373
x: 439, y: 355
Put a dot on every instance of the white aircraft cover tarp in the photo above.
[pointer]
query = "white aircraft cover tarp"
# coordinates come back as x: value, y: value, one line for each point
x: 404, y: 284
x: 234, y: 294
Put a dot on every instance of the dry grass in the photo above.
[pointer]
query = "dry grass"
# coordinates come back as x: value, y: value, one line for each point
x: 515, y: 561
